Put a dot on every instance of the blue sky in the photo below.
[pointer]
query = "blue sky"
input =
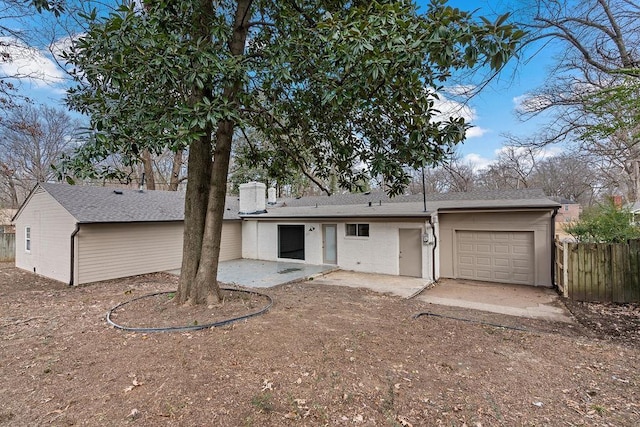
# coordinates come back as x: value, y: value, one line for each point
x: 492, y: 112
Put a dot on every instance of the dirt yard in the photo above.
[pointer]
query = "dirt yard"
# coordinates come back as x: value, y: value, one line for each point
x: 320, y: 356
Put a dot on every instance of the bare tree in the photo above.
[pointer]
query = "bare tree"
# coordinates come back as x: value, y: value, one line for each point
x: 31, y: 140
x: 601, y: 54
x: 511, y: 170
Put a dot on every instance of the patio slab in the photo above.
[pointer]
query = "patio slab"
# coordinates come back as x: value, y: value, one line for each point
x: 265, y: 274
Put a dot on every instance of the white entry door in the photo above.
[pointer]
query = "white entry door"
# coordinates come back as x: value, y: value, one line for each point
x: 329, y: 243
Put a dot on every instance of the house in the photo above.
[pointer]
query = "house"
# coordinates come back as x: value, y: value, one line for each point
x: 634, y: 210
x: 82, y: 234
x: 499, y: 236
x: 79, y: 234
x: 569, y: 210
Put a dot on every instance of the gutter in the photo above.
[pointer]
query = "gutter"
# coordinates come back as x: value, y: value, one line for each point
x: 553, y: 248
x: 73, y: 252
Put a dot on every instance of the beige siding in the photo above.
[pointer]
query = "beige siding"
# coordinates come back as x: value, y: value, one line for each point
x: 109, y: 251
x: 231, y: 244
x: 51, y: 229
x: 539, y: 223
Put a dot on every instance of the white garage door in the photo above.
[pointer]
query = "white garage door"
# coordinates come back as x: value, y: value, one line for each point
x: 496, y: 256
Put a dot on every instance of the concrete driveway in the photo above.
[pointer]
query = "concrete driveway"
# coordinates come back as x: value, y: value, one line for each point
x: 514, y: 300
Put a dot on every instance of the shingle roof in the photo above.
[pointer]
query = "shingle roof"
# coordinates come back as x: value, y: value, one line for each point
x: 88, y: 204
x: 357, y: 205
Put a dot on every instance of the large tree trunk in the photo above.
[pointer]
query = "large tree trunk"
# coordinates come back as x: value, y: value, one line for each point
x: 176, y: 167
x: 147, y: 163
x: 195, y: 211
x: 207, y: 210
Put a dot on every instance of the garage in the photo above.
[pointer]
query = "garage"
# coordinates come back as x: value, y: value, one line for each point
x: 495, y: 256
x: 497, y: 246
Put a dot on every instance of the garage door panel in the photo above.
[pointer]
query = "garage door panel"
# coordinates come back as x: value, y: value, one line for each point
x: 464, y: 247
x: 498, y: 256
x: 483, y: 261
x: 521, y: 263
x: 521, y: 250
x: 466, y: 260
x: 483, y: 249
x: 501, y: 262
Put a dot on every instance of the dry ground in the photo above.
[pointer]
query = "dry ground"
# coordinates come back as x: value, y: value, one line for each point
x: 320, y: 356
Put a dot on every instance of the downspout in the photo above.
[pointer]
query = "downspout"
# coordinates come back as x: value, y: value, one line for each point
x: 433, y: 250
x: 73, y: 252
x: 553, y: 247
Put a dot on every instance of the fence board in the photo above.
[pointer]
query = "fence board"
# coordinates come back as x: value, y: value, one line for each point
x: 7, y: 246
x: 634, y: 271
x: 599, y: 271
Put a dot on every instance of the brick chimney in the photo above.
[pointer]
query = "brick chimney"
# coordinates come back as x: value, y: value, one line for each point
x: 617, y: 201
x: 271, y: 196
x: 252, y: 198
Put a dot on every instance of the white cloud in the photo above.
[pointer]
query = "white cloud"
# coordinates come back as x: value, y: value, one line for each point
x: 63, y: 44
x: 476, y: 161
x: 529, y: 103
x: 460, y: 90
x: 476, y: 132
x: 28, y: 64
x: 450, y: 108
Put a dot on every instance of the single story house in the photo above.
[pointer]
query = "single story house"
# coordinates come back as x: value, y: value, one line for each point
x: 498, y: 236
x: 82, y: 234
x: 79, y: 234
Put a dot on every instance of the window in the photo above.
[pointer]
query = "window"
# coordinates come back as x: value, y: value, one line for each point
x: 291, y: 241
x: 566, y: 208
x: 360, y: 230
x: 27, y: 239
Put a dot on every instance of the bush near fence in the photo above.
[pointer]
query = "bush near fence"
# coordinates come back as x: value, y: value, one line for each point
x: 599, y: 272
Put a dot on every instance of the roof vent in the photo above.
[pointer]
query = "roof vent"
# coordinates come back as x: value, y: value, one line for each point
x: 117, y: 191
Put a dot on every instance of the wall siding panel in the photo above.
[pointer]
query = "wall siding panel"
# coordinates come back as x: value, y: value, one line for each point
x: 51, y: 228
x: 231, y: 243
x: 110, y: 251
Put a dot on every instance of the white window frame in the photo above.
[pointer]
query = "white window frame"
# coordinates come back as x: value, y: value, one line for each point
x: 27, y: 239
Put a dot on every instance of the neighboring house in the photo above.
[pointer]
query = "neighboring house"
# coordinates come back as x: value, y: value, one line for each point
x: 81, y: 234
x: 501, y: 236
x: 634, y: 210
x: 569, y: 210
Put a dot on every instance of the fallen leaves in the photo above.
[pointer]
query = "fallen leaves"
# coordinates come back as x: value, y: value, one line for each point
x: 134, y: 383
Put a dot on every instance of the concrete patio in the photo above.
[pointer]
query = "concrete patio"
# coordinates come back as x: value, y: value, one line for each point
x: 514, y: 300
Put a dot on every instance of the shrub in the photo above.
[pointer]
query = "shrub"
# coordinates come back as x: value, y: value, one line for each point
x: 605, y: 223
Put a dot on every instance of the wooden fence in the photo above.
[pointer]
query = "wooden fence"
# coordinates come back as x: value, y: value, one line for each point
x: 7, y: 247
x: 605, y: 272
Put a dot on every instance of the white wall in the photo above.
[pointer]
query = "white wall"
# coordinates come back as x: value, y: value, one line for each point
x: 51, y: 229
x: 377, y: 253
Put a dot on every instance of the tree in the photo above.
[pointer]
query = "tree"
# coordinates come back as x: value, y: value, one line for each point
x: 341, y: 88
x: 605, y: 223
x: 568, y: 175
x: 31, y: 140
x: 591, y: 94
x: 511, y: 170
